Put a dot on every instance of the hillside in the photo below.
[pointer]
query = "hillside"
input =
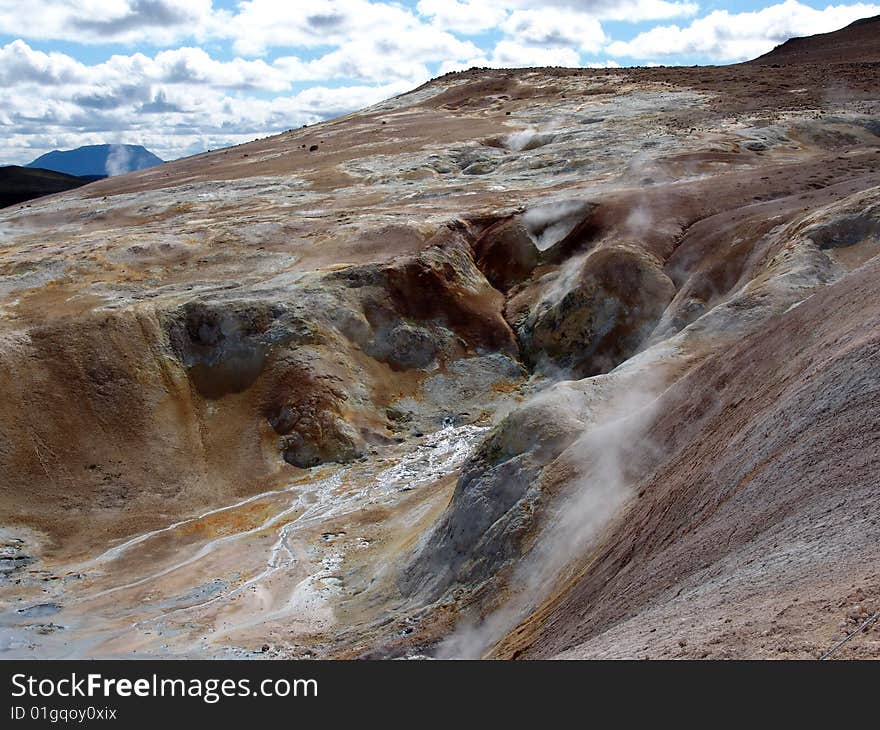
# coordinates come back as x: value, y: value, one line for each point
x: 859, y: 42
x: 19, y: 184
x: 525, y: 363
x: 98, y: 160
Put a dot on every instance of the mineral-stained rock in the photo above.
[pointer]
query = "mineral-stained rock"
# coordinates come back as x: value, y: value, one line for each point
x: 331, y: 381
x: 422, y: 307
x: 492, y: 507
x: 224, y: 345
x: 757, y: 409
x: 506, y: 254
x: 309, y: 399
x: 321, y: 401
x: 850, y: 230
x: 595, y: 313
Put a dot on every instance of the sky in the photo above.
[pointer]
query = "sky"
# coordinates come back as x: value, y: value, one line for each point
x: 184, y: 76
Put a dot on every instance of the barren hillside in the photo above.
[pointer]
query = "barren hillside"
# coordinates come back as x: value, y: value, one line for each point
x: 524, y: 363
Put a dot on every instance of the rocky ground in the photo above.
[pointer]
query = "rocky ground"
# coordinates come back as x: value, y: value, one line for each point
x: 524, y: 363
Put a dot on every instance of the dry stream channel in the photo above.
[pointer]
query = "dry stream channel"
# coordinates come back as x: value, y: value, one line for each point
x: 217, y: 584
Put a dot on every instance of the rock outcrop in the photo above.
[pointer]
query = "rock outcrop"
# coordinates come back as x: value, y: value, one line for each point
x: 596, y: 312
x: 524, y: 363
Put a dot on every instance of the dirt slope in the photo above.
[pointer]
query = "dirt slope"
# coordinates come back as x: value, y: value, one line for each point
x: 859, y: 42
x: 537, y: 362
x: 757, y: 533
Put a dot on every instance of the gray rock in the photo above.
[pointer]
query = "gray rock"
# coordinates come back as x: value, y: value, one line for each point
x: 595, y: 319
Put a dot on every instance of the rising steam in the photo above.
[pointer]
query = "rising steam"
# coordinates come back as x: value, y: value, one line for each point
x: 527, y: 139
x: 614, y: 437
x: 549, y: 223
x: 118, y: 160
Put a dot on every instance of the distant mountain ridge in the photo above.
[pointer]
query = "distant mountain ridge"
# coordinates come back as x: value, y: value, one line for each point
x: 97, y: 160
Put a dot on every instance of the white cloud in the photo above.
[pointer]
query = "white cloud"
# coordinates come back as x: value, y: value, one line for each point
x: 400, y: 57
x: 174, y: 102
x: 474, y: 16
x: 640, y: 10
x: 512, y: 54
x: 554, y: 28
x: 508, y: 54
x: 159, y: 22
x: 463, y: 17
x: 263, y: 24
x: 195, y: 66
x: 724, y: 36
x: 19, y: 64
x: 602, y: 64
x: 322, y: 102
x: 258, y: 25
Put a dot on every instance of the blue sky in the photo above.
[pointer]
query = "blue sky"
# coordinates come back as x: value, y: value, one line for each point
x: 182, y: 76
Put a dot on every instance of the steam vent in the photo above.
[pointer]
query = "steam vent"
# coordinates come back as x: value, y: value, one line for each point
x: 520, y: 364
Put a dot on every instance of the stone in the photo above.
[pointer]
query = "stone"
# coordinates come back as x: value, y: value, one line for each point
x: 597, y: 314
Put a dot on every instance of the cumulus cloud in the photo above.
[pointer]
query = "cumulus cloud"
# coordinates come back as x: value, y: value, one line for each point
x: 21, y: 64
x: 101, y: 21
x: 555, y: 27
x: 380, y: 59
x: 478, y: 15
x: 640, y: 10
x: 509, y: 54
x: 255, y: 26
x: 173, y: 102
x: 195, y: 66
x: 462, y: 17
x: 513, y: 54
x: 183, y: 75
x: 263, y: 24
x: 609, y: 63
x: 160, y: 104
x: 725, y: 36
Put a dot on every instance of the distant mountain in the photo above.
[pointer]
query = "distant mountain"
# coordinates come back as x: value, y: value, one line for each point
x: 18, y: 184
x: 98, y: 160
x: 858, y: 42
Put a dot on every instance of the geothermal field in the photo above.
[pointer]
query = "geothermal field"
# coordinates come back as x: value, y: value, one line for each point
x: 524, y: 363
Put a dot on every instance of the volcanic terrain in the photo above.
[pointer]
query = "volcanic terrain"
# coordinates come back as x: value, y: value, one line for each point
x: 521, y: 364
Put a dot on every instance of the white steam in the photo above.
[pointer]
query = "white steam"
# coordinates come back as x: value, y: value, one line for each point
x: 614, y: 438
x: 549, y: 223
x: 527, y: 139
x: 118, y: 160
